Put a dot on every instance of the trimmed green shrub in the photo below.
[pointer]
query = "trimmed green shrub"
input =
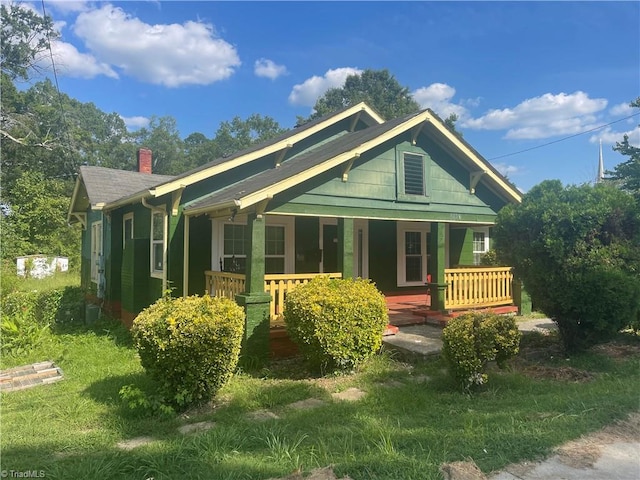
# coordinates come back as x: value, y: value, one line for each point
x: 190, y: 346
x: 472, y: 340
x: 337, y: 324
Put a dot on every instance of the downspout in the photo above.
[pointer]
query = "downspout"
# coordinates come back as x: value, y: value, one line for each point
x: 143, y: 200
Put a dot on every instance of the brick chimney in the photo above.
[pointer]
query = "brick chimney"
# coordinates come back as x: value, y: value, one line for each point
x: 144, y: 160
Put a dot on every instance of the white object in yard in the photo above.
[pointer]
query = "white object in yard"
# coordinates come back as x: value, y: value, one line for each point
x: 39, y: 266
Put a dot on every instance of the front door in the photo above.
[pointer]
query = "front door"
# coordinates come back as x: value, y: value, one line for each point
x: 329, y: 247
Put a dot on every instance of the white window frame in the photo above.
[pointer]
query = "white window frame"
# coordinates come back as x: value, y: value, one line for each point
x: 155, y: 273
x: 402, y: 228
x: 217, y: 234
x: 125, y: 218
x: 96, y: 250
x: 479, y: 253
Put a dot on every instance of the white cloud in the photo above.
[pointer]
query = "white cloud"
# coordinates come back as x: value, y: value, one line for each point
x: 437, y: 97
x: 307, y: 92
x: 610, y: 137
x: 541, y: 117
x: 68, y: 6
x: 163, y: 54
x: 621, y: 110
x: 72, y: 63
x: 134, y: 123
x: 269, y: 69
x: 507, y: 170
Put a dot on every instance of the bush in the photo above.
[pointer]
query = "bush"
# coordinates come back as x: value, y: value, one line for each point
x: 337, y: 324
x: 472, y: 340
x: 190, y: 346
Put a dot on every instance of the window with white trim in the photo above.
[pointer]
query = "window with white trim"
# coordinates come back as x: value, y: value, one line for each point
x: 158, y: 242
x: 234, y: 249
x: 412, y: 253
x: 127, y: 228
x: 480, y: 246
x: 96, y: 250
x: 274, y: 252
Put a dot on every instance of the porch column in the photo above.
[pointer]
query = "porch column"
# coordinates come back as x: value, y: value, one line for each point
x: 437, y: 251
x: 345, y: 247
x: 254, y: 300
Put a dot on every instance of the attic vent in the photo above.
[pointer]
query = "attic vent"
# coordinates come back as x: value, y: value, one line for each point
x: 413, y: 174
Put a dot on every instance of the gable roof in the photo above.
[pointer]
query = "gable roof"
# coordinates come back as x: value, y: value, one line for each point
x: 98, y: 186
x: 265, y: 185
x: 276, y: 144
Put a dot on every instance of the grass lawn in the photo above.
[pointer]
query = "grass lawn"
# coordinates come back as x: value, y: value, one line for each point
x: 410, y: 421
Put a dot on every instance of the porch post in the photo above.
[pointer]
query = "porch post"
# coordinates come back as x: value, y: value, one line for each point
x: 345, y: 247
x: 254, y: 299
x: 437, y: 250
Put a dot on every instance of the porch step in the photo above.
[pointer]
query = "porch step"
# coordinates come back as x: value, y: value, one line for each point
x: 439, y: 318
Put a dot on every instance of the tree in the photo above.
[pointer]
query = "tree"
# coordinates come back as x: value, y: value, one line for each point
x: 239, y: 134
x: 26, y: 37
x: 627, y: 173
x: 577, y: 249
x: 378, y: 88
x: 37, y: 223
x: 163, y: 138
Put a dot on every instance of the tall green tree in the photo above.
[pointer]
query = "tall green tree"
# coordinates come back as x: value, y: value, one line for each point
x: 37, y: 221
x: 163, y: 138
x: 239, y: 134
x: 577, y: 249
x: 25, y: 39
x: 627, y: 173
x: 378, y: 88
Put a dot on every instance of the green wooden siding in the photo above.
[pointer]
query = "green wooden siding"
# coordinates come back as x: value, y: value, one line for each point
x: 199, y: 253
x: 460, y: 246
x: 383, y: 254
x: 307, y: 236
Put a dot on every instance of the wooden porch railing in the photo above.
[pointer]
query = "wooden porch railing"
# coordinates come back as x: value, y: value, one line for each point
x: 228, y: 285
x: 478, y: 287
x: 224, y: 284
x: 278, y: 285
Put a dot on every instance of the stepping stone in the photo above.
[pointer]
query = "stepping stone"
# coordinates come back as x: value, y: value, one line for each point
x: 27, y: 376
x: 350, y: 395
x: 262, y: 415
x: 134, y: 443
x: 305, y: 404
x: 196, y: 427
x: 422, y: 378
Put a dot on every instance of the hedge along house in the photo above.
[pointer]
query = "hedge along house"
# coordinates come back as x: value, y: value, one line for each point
x: 405, y: 202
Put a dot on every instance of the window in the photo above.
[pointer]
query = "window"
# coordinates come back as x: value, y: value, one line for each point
x: 413, y: 174
x: 96, y: 251
x: 480, y: 246
x: 235, y: 246
x: 158, y: 229
x: 274, y: 259
x: 412, y: 253
x: 127, y: 228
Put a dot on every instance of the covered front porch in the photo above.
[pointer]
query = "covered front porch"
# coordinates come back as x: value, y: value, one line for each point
x: 466, y: 289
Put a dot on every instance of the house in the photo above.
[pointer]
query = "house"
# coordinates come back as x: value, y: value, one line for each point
x: 405, y: 202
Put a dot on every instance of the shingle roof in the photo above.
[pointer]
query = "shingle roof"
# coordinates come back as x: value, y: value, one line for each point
x: 106, y: 185
x: 298, y: 164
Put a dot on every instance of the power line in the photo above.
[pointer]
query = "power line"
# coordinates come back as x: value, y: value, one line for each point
x: 55, y: 76
x: 565, y: 138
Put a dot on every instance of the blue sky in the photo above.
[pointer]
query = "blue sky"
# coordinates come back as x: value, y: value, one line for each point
x: 519, y: 75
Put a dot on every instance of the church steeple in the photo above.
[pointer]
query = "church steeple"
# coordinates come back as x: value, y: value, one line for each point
x: 600, y: 176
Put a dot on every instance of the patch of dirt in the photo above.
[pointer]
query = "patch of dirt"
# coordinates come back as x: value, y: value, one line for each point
x: 350, y: 394
x: 196, y: 427
x: 134, y: 443
x: 262, y: 415
x: 585, y: 451
x: 461, y: 471
x: 306, y: 404
x: 617, y: 351
x: 325, y: 473
x: 565, y: 374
